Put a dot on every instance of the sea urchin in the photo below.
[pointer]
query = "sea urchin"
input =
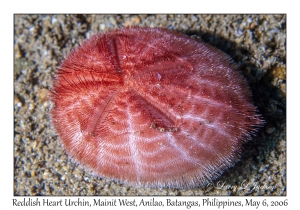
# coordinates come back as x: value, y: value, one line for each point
x: 152, y: 107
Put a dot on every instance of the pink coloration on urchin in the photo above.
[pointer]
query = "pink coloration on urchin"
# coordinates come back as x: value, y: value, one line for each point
x: 152, y: 107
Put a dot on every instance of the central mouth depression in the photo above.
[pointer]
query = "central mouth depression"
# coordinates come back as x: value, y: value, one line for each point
x: 152, y: 107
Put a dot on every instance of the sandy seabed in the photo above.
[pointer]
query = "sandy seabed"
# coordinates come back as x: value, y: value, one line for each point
x: 257, y: 43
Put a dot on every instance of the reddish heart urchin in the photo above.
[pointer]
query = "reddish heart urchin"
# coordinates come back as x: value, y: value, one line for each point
x: 152, y: 107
